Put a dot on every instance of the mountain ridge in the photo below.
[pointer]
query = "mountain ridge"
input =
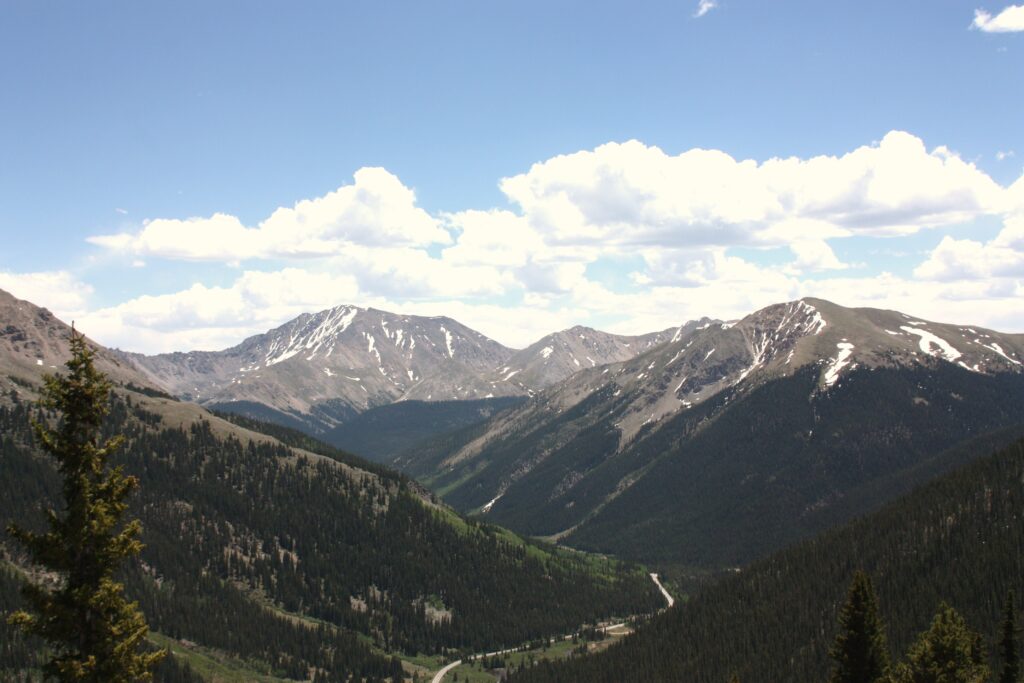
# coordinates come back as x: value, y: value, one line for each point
x: 604, y: 446
x: 320, y: 369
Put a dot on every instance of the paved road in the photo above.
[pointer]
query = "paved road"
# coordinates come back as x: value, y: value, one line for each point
x: 439, y: 676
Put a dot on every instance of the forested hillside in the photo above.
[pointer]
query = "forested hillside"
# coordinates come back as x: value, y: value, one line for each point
x: 959, y: 539
x: 296, y: 562
x: 383, y: 432
x: 738, y: 476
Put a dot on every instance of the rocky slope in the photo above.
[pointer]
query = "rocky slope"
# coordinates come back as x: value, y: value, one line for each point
x: 562, y: 354
x: 319, y: 370
x: 33, y: 341
x: 786, y: 415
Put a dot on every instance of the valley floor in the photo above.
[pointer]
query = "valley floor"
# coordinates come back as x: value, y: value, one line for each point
x: 473, y: 669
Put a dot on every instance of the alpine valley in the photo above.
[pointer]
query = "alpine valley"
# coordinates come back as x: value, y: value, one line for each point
x: 275, y: 557
x: 706, y: 445
x: 532, y: 483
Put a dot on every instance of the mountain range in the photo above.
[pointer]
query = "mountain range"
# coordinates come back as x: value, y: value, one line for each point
x: 270, y: 556
x: 734, y: 439
x: 320, y: 370
x: 709, y: 444
x: 703, y: 447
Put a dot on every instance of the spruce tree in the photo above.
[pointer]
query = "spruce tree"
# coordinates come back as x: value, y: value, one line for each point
x: 860, y: 651
x: 947, y: 652
x: 1009, y: 649
x: 96, y: 634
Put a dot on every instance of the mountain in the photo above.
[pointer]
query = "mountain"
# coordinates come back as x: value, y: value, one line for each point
x: 562, y: 354
x: 957, y: 539
x: 33, y: 340
x: 734, y: 439
x: 269, y: 555
x: 320, y: 370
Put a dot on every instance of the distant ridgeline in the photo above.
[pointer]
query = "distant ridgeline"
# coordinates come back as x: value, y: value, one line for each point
x: 958, y: 539
x: 317, y: 563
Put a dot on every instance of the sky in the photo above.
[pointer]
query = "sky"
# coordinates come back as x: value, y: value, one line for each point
x: 182, y: 176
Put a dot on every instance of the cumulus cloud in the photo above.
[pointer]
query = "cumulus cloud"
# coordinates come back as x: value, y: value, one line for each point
x: 814, y: 255
x: 965, y: 259
x: 1010, y: 20
x: 375, y: 210
x: 676, y: 220
x: 213, y: 318
x: 59, y: 291
x: 703, y: 7
x: 634, y: 195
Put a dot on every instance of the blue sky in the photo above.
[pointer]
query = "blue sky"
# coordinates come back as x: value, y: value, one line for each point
x: 120, y: 122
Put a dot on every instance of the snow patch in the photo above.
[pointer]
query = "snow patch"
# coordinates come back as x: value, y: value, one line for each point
x: 928, y: 340
x: 285, y: 355
x: 448, y: 342
x: 487, y: 508
x: 998, y: 349
x: 546, y: 352
x: 841, y: 361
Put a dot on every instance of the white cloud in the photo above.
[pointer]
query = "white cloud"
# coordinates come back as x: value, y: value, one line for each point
x: 377, y: 210
x: 965, y: 259
x: 1002, y: 155
x: 675, y: 219
x: 633, y: 195
x: 1011, y: 19
x: 213, y: 318
x: 59, y: 291
x: 703, y: 7
x: 414, y: 273
x: 814, y: 255
x: 497, y: 238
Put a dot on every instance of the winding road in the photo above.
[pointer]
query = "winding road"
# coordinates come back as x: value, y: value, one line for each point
x: 439, y: 676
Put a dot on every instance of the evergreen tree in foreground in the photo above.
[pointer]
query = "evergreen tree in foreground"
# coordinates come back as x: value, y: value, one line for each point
x: 860, y: 651
x: 948, y: 652
x: 96, y: 633
x: 1008, y: 647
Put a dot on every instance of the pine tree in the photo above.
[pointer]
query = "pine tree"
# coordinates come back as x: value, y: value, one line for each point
x: 860, y: 650
x: 95, y: 632
x: 948, y: 652
x: 1008, y: 646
